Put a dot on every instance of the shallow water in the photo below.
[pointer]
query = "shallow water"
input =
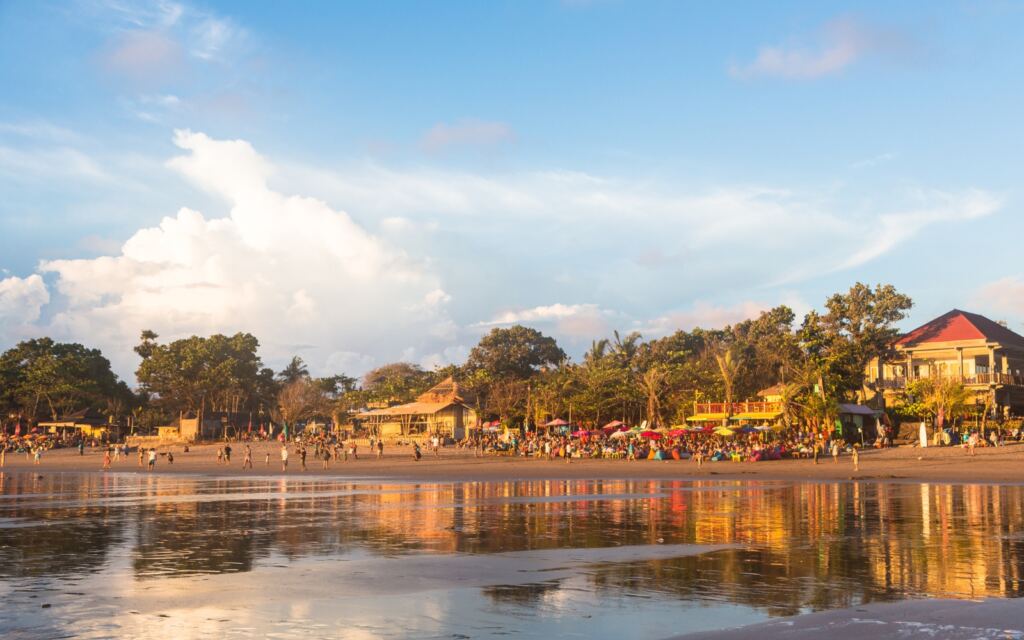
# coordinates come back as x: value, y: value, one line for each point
x: 126, y: 555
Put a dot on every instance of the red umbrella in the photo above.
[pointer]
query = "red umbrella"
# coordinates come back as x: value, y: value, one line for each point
x: 675, y: 433
x: 650, y: 435
x: 557, y: 422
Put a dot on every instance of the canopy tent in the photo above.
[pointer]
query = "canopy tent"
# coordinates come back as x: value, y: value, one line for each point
x: 857, y: 410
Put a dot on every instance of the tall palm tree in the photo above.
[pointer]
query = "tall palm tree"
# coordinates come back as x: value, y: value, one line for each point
x: 729, y: 369
x: 295, y: 370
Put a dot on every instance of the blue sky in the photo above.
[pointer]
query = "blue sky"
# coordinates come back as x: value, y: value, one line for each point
x: 581, y: 166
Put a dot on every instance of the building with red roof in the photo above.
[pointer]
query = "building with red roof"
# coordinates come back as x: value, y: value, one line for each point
x: 986, y: 356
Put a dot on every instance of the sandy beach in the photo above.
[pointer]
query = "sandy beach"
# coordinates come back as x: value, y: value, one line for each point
x: 949, y: 464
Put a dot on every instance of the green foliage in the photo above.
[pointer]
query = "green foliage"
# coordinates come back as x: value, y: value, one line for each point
x: 220, y: 373
x: 46, y: 379
x: 516, y: 352
x: 396, y: 382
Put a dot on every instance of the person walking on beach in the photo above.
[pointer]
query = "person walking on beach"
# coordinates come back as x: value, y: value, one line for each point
x: 835, y: 451
x: 37, y: 454
x: 81, y: 446
x: 302, y: 457
x: 247, y: 458
x: 117, y: 452
x: 972, y: 442
x: 435, y: 443
x: 380, y: 449
x: 284, y: 457
x: 142, y: 456
x: 227, y: 454
x: 152, y: 459
x: 266, y: 461
x: 170, y: 457
x: 856, y: 458
x: 416, y: 454
x: 106, y: 460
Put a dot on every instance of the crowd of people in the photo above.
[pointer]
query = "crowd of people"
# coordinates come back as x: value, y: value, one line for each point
x: 700, y: 446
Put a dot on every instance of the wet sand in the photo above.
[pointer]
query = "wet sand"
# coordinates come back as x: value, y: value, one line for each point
x: 947, y: 464
x: 907, y: 619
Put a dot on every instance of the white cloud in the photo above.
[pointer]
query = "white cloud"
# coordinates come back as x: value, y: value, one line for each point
x: 284, y: 267
x: 467, y: 133
x: 841, y: 43
x: 21, y: 302
x: 936, y: 207
x: 703, y: 315
x: 570, y: 320
x: 1004, y: 296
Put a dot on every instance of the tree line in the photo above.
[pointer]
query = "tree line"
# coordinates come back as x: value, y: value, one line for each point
x: 515, y: 374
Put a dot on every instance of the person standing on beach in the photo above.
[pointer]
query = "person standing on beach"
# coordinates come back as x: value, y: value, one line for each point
x: 972, y: 442
x: 267, y: 460
x: 380, y: 449
x: 856, y: 458
x: 152, y: 459
x: 284, y: 457
x: 81, y: 446
x: 302, y: 456
x: 106, y: 460
x: 142, y: 456
x: 117, y: 452
x: 247, y: 458
x: 835, y: 451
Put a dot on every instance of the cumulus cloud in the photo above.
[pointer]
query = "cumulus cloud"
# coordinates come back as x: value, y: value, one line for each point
x: 21, y: 302
x: 466, y: 133
x: 840, y: 43
x: 284, y: 267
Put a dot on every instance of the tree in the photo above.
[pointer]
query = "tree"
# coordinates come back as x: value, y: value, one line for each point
x: 516, y: 352
x: 46, y: 378
x: 302, y: 399
x: 396, y: 382
x: 729, y: 369
x: 858, y: 326
x: 222, y: 373
x: 296, y: 369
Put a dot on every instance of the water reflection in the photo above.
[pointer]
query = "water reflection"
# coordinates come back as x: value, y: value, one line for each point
x: 796, y: 546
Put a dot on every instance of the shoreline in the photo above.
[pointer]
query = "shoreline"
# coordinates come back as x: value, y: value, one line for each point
x: 949, y: 465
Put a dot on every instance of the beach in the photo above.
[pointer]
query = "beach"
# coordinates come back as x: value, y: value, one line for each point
x: 1002, y: 465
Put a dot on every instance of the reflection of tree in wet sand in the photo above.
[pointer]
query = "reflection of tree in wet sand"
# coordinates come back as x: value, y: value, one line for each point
x: 81, y: 542
x: 813, y: 545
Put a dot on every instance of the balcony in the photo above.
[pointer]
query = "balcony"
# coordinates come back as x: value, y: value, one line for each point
x: 978, y: 379
x: 738, y: 407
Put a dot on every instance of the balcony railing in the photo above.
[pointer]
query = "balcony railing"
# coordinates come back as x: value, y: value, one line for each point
x: 1007, y: 379
x: 739, y: 407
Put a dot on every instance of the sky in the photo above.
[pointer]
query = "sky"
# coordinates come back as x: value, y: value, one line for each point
x: 363, y: 182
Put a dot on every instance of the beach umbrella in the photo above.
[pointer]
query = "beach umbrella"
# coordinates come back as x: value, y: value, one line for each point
x: 613, y: 424
x: 557, y: 422
x: 675, y: 433
x: 619, y: 434
x: 650, y: 435
x: 724, y: 431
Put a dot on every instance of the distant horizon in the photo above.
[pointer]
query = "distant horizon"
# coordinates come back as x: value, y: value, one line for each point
x: 366, y: 183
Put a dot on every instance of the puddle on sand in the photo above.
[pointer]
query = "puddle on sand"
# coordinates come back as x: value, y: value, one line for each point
x: 151, y: 557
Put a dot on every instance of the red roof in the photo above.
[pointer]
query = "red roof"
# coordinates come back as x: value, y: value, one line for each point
x: 957, y: 326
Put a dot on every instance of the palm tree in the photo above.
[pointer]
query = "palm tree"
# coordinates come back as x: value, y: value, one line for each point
x: 729, y: 369
x: 295, y: 370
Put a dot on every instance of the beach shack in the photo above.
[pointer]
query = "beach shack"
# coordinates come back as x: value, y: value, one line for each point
x: 857, y: 423
x: 443, y: 409
x: 88, y: 422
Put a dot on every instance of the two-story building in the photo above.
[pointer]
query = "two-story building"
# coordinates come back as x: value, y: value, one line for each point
x: 987, y: 357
